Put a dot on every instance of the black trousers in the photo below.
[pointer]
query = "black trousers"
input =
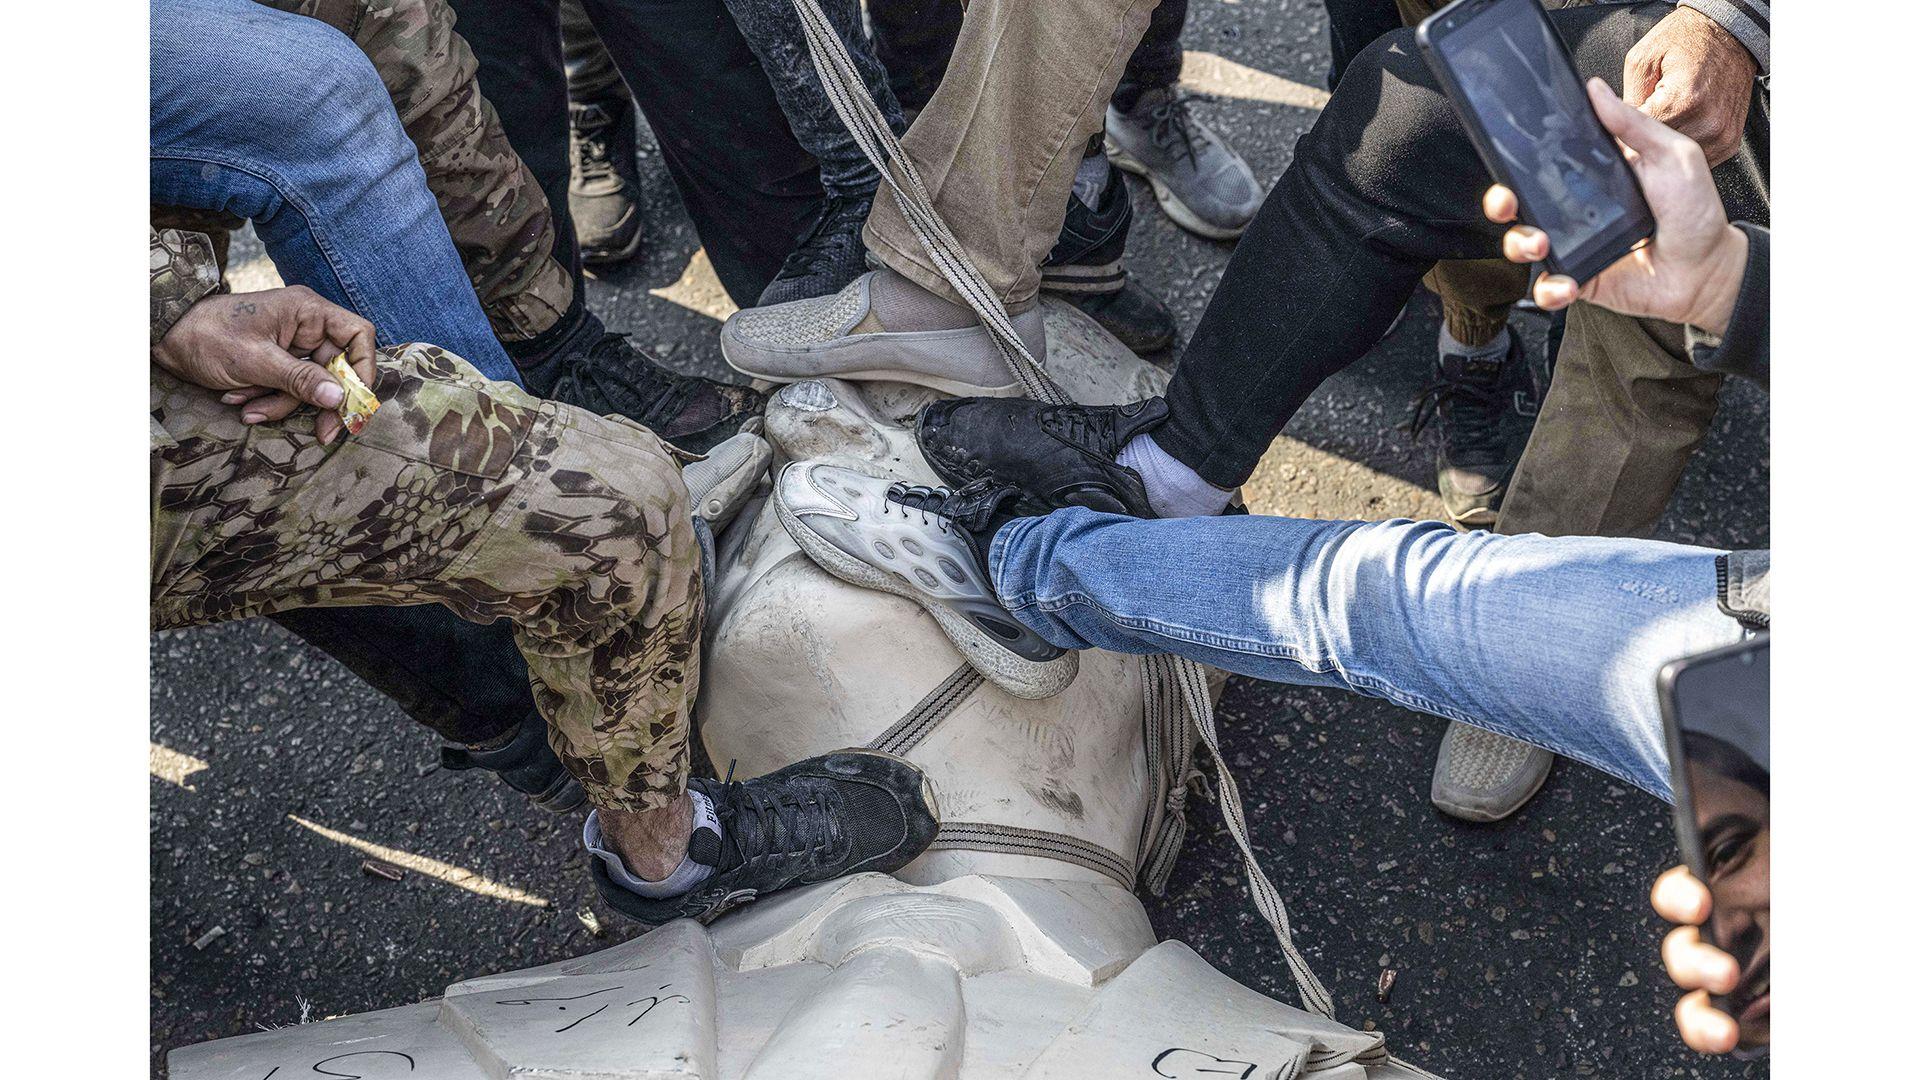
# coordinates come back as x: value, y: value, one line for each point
x: 747, y: 184
x: 914, y: 40
x: 1383, y: 186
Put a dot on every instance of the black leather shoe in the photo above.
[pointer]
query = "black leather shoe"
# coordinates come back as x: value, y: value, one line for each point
x: 1055, y: 455
x: 526, y: 764
x: 843, y: 813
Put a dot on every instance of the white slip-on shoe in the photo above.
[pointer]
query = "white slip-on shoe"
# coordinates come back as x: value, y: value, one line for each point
x: 916, y: 542
x: 845, y: 336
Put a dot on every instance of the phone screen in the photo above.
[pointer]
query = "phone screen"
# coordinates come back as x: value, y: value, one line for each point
x: 1534, y: 114
x: 1718, y: 724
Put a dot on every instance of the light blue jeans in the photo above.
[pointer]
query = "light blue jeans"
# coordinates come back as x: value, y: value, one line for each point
x: 282, y: 120
x: 1555, y: 641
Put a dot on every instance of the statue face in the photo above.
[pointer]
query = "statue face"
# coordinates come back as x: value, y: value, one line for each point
x: 797, y: 663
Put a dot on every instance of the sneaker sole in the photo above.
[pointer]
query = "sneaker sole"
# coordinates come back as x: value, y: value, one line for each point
x: 1023, y: 678
x: 1170, y: 203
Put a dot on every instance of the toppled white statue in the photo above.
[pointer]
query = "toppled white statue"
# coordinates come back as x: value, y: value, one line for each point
x: 1015, y: 949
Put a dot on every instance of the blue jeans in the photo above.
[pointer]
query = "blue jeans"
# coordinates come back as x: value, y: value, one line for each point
x: 1555, y: 641
x: 282, y: 120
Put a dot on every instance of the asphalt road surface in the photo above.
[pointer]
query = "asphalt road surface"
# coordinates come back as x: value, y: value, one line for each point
x: 1521, y: 950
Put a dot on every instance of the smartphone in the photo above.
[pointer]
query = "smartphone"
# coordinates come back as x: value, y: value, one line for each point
x: 1715, y: 706
x: 1512, y: 81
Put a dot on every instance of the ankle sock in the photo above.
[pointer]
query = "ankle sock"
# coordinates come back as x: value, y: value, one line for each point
x: 688, y: 874
x: 1090, y: 179
x: 1451, y: 346
x: 1173, y: 490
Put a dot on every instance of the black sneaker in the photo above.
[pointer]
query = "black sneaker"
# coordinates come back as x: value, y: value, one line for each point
x: 828, y: 256
x: 525, y: 763
x: 1486, y: 409
x: 843, y: 813
x: 692, y: 413
x: 603, y: 193
x: 1055, y: 455
x: 1087, y: 269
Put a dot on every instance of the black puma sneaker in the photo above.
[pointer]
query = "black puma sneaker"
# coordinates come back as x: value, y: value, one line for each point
x: 525, y: 763
x: 1055, y: 455
x: 847, y: 812
x: 1087, y: 268
x: 692, y: 413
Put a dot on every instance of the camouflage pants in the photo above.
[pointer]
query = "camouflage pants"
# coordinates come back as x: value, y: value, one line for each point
x: 470, y: 494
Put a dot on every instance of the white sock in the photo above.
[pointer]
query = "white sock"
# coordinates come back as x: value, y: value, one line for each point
x: 1173, y: 490
x: 1090, y: 179
x: 1451, y: 347
x: 684, y: 877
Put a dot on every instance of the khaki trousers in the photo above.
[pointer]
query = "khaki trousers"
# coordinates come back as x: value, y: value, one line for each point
x: 999, y: 142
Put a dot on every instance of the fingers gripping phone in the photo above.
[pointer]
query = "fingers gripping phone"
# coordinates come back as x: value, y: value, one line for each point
x: 1512, y: 81
x: 1716, y: 708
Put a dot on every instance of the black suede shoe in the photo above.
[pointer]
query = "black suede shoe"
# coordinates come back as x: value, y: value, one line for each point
x: 525, y: 763
x: 692, y: 413
x: 843, y: 813
x: 1055, y: 455
x: 828, y: 256
x: 603, y: 192
x: 1087, y: 269
x: 1486, y: 409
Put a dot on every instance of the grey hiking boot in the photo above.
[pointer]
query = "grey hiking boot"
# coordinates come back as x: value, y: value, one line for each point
x: 1480, y: 776
x: 849, y: 812
x: 603, y: 193
x: 927, y: 545
x: 881, y: 327
x: 1202, y: 184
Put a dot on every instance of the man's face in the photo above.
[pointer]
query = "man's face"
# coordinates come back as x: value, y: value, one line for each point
x: 1736, y: 836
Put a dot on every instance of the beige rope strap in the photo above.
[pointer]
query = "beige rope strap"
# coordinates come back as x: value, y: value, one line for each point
x: 1182, y: 680
x: 919, y: 722
x: 1007, y: 840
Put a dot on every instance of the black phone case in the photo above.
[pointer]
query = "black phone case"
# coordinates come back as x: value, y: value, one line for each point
x: 1611, y: 246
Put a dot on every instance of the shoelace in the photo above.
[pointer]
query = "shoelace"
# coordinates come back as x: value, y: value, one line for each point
x: 592, y: 146
x: 759, y: 824
x: 1173, y: 128
x: 942, y: 507
x: 1475, y: 411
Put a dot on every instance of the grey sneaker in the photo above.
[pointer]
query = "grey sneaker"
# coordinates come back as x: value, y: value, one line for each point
x: 923, y: 544
x: 881, y: 327
x: 1481, y: 776
x: 603, y: 192
x: 1197, y: 178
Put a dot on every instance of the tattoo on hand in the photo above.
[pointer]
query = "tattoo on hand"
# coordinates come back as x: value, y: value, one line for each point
x: 244, y: 307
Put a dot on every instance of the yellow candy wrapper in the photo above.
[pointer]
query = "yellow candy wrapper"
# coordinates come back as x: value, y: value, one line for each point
x: 359, y: 404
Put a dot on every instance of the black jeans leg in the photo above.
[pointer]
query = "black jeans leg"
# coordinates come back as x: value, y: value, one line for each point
x: 1384, y: 185
x: 464, y: 680
x: 914, y: 40
x: 1155, y: 63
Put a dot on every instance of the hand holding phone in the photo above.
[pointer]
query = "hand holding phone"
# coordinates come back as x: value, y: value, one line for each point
x: 1689, y: 273
x: 1513, y: 84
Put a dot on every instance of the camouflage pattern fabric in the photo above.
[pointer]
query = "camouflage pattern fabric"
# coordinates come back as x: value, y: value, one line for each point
x: 462, y: 492
x: 494, y: 209
x: 183, y: 269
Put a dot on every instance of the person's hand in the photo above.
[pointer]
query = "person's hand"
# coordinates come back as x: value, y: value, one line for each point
x: 1696, y: 78
x: 1694, y: 965
x: 268, y: 351
x: 1689, y: 273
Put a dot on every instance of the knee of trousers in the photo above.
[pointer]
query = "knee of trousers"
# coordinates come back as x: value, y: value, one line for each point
x: 1387, y: 120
